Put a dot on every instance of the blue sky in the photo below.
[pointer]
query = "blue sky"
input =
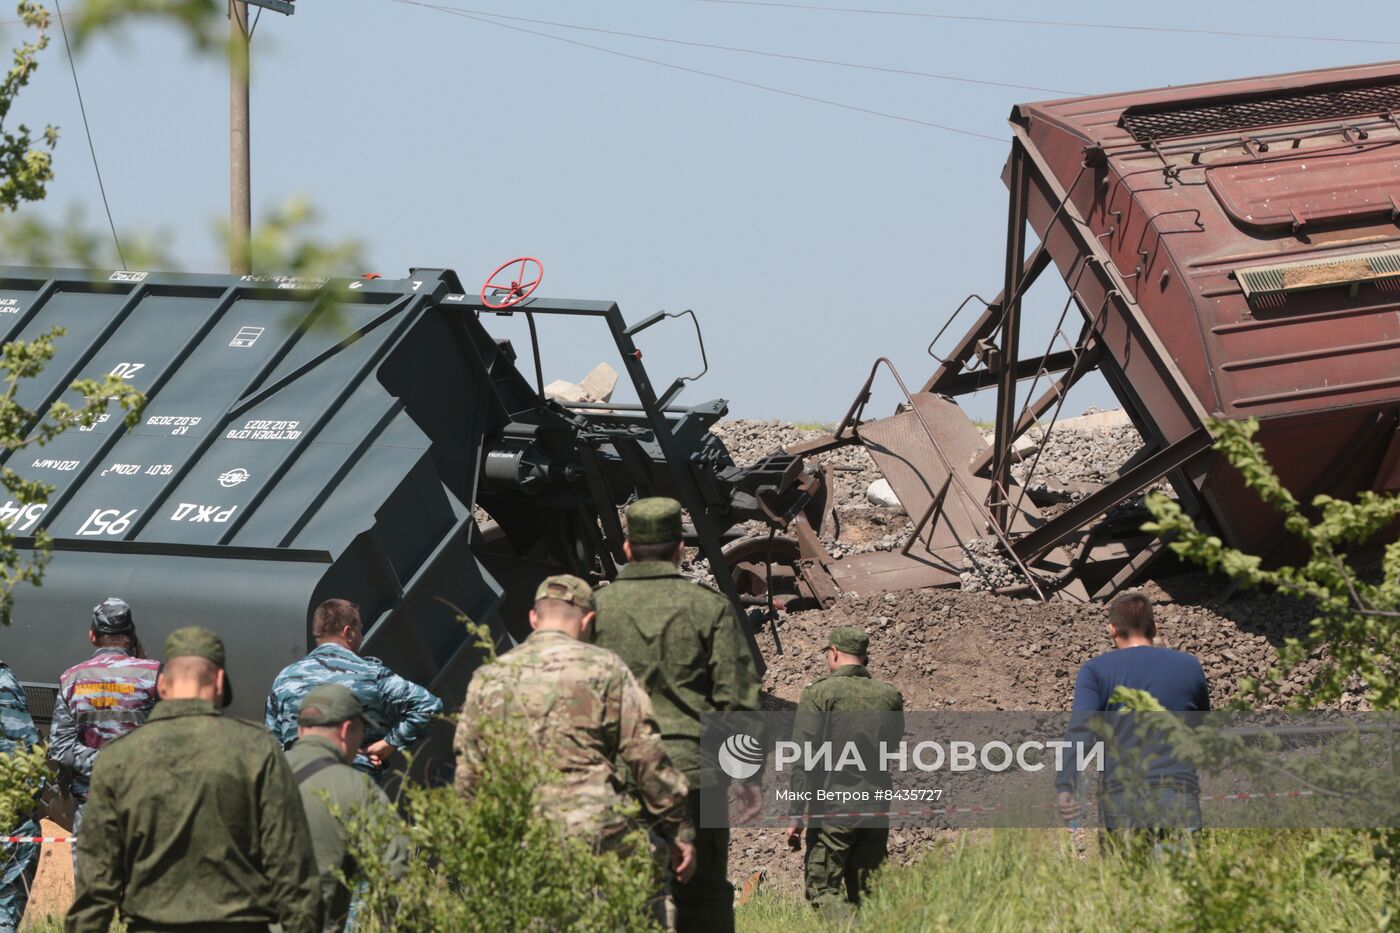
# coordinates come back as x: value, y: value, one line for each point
x: 809, y: 238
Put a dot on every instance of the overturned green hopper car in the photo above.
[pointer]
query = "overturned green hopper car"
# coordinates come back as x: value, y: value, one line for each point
x: 305, y: 440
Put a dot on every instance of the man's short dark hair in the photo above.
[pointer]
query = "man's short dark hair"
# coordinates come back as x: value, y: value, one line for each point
x: 663, y: 551
x: 1131, y: 614
x: 333, y: 616
x: 124, y: 642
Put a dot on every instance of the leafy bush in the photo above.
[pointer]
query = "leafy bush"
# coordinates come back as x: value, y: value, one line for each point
x: 495, y: 862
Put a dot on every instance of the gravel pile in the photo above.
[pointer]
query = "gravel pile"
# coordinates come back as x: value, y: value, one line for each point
x: 1071, y: 456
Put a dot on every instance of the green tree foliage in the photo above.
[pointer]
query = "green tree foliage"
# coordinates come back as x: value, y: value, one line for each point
x: 494, y: 862
x: 1355, y: 631
x: 25, y: 171
x: 20, y: 428
x: 24, y: 772
x: 26, y: 166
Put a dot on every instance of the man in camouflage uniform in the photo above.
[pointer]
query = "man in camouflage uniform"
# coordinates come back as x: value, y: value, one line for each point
x: 330, y: 727
x: 585, y: 711
x: 193, y: 821
x: 397, y: 712
x: 101, y: 699
x: 21, y: 859
x: 685, y: 644
x: 848, y: 705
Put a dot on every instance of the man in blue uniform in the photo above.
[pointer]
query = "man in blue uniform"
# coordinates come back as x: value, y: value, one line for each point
x: 397, y: 712
x: 21, y: 859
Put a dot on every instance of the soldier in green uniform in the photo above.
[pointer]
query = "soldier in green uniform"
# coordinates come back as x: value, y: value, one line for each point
x: 330, y: 729
x: 841, y: 854
x: 193, y: 821
x: 583, y: 708
x: 685, y: 644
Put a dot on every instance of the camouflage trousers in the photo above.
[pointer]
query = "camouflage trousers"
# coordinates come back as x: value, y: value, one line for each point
x: 706, y: 901
x: 21, y: 862
x: 839, y: 862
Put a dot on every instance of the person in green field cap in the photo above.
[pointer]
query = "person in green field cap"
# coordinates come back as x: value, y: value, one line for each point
x: 193, y: 821
x: 685, y: 644
x: 330, y: 730
x: 846, y: 706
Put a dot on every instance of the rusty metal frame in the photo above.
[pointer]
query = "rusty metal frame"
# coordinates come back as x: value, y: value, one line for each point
x: 954, y: 474
x: 1129, y: 483
x: 1016, y: 222
x: 986, y: 325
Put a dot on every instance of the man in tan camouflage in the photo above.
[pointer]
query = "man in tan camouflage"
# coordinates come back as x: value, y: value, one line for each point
x: 583, y: 708
x: 684, y: 642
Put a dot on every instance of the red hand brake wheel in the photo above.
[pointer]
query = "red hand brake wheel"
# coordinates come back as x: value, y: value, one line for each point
x: 520, y: 285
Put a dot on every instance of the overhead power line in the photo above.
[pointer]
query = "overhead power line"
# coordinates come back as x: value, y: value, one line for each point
x: 763, y: 53
x: 102, y: 189
x: 1068, y: 24
x: 855, y: 108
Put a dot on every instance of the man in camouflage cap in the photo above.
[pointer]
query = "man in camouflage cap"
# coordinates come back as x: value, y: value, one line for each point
x: 846, y: 706
x: 193, y: 821
x: 686, y: 645
x: 581, y: 706
x: 398, y: 712
x: 17, y: 732
x: 330, y: 730
x: 101, y: 699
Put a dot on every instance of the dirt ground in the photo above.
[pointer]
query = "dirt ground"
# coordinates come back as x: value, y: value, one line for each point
x: 948, y: 649
x: 53, y: 884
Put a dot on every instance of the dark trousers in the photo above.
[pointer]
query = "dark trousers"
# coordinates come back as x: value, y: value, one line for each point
x: 706, y: 902
x: 1149, y: 820
x: 839, y: 862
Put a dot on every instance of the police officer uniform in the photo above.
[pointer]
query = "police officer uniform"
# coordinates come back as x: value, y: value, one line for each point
x: 20, y: 859
x: 99, y: 700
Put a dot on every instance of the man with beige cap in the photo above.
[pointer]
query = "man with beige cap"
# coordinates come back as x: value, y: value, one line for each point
x: 193, y: 821
x: 586, y: 712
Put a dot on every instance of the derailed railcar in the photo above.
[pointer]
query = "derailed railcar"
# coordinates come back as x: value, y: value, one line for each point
x: 310, y: 439
x: 1232, y: 250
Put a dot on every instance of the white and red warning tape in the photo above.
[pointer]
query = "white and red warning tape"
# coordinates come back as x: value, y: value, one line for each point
x: 30, y: 839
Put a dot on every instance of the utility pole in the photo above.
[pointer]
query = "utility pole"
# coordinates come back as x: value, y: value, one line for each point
x: 240, y: 183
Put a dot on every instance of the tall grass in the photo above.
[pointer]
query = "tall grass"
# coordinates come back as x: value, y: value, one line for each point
x: 1036, y: 880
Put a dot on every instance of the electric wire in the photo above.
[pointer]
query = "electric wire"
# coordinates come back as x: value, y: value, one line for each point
x: 763, y: 53
x: 856, y: 108
x: 86, y: 129
x: 1068, y: 24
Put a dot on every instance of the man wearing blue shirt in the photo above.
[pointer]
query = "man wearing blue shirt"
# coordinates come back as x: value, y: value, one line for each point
x: 1171, y: 798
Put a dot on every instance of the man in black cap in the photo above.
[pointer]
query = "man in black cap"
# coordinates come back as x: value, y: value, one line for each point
x: 101, y: 699
x: 193, y: 821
